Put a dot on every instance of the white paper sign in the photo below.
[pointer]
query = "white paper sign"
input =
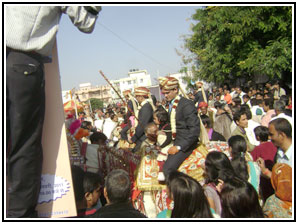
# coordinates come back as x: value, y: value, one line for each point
x: 52, y: 188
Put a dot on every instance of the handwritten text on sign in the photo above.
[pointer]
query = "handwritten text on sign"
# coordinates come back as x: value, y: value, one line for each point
x: 52, y: 188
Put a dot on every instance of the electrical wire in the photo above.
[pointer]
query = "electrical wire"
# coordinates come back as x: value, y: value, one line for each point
x: 132, y: 46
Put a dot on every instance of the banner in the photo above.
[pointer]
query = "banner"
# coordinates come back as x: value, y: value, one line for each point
x: 56, y: 198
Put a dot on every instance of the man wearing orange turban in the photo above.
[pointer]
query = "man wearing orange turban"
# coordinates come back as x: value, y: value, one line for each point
x: 145, y: 116
x: 184, y: 121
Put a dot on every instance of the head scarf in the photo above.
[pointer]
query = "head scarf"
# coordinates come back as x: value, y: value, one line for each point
x: 142, y: 91
x: 168, y: 83
x: 203, y: 104
x: 126, y: 92
x: 281, y: 180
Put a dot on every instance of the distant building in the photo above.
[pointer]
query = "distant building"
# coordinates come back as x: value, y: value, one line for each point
x: 87, y: 91
x: 135, y: 79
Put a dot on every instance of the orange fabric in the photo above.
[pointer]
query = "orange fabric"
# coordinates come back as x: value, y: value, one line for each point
x: 281, y: 180
x: 228, y: 98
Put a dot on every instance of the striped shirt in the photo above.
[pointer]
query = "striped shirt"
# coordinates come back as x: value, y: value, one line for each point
x: 34, y: 28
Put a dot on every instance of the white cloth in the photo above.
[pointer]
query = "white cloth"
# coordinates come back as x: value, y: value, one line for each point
x: 99, y: 124
x: 108, y: 127
x: 34, y: 28
x: 250, y: 132
x: 283, y: 115
x: 254, y: 108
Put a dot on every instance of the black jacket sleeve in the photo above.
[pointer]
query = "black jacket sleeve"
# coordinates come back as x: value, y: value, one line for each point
x: 187, y: 125
x: 145, y: 117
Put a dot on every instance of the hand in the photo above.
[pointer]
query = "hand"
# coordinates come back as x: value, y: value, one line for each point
x: 219, y: 186
x: 261, y: 164
x: 129, y: 140
x: 173, y: 150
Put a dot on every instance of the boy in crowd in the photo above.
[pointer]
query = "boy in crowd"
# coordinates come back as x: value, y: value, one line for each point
x: 87, y: 192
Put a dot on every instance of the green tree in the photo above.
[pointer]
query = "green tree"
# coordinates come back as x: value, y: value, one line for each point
x: 229, y: 42
x: 96, y: 103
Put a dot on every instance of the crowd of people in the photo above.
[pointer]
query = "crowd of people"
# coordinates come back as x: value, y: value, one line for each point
x: 252, y: 180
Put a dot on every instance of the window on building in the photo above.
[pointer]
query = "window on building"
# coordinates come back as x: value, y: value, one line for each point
x: 128, y: 82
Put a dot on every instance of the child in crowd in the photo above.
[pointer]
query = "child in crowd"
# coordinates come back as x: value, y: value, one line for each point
x: 92, y: 192
x: 164, y: 137
x: 87, y: 188
x: 267, y: 151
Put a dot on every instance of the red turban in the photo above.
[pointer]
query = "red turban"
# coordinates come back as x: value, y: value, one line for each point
x: 203, y: 104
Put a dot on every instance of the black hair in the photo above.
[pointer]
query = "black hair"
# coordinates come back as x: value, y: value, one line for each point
x: 112, y: 116
x: 91, y: 182
x: 239, y: 199
x: 269, y: 102
x: 238, y: 114
x: 85, y: 124
x: 270, y: 95
x: 206, y: 120
x: 218, y: 166
x: 285, y: 99
x: 247, y: 110
x: 259, y: 101
x: 162, y: 115
x: 77, y: 175
x: 238, y: 145
x: 246, y: 96
x: 282, y: 125
x: 188, y: 196
x: 261, y: 94
x: 96, y: 136
x: 154, y: 100
x: 117, y: 185
x: 253, y: 101
x: 262, y: 132
x: 237, y: 100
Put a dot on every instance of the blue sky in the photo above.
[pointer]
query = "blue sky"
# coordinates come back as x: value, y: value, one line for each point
x: 154, y: 30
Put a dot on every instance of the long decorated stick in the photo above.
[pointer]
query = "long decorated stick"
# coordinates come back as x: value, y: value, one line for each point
x: 103, y: 75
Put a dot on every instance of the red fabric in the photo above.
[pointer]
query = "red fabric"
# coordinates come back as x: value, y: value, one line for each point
x: 84, y: 149
x: 203, y: 104
x: 265, y: 150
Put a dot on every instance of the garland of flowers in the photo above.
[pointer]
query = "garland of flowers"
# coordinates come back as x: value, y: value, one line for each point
x: 173, y: 116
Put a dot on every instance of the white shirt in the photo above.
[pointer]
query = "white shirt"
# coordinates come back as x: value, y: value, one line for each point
x: 108, y: 127
x: 283, y: 115
x: 34, y: 28
x: 250, y: 132
x: 254, y: 110
x: 285, y: 157
x: 98, y: 124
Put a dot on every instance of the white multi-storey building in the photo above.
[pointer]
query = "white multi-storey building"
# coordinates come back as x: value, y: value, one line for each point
x: 136, y: 78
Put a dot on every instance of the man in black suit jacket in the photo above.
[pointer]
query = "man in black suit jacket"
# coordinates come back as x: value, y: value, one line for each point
x: 145, y: 116
x: 184, y: 123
